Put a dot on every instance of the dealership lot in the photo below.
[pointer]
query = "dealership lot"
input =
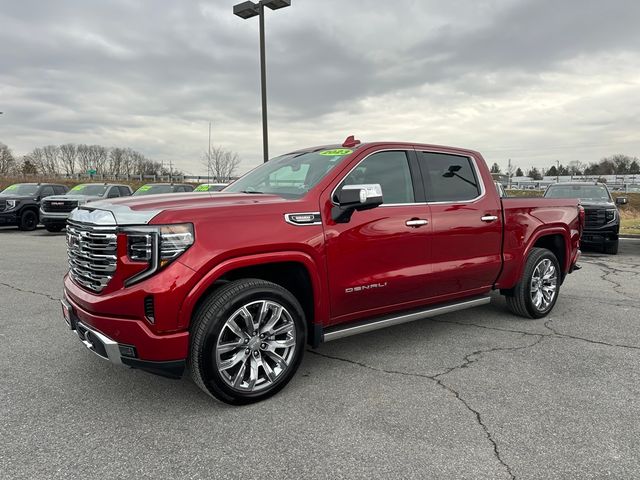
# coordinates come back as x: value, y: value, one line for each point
x: 473, y: 394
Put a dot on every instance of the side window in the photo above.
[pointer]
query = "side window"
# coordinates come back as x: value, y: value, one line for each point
x: 113, y: 192
x: 46, y: 191
x: 124, y: 191
x: 391, y: 171
x: 448, y: 178
x: 59, y: 189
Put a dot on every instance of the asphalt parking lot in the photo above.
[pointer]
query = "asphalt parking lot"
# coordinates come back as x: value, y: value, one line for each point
x: 474, y: 394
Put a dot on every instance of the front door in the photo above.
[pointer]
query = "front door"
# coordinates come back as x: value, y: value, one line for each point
x: 379, y: 260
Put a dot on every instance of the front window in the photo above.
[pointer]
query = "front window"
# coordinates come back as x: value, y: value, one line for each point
x: 88, y: 189
x: 291, y: 175
x: 594, y: 193
x: 21, y: 189
x: 153, y: 189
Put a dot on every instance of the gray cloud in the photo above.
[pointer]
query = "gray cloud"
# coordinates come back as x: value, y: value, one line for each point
x: 533, y: 80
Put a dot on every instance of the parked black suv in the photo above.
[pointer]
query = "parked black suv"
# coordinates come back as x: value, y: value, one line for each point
x: 55, y: 210
x: 20, y: 202
x: 157, y: 188
x: 602, y: 220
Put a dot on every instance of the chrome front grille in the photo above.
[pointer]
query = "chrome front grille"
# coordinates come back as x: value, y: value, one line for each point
x: 59, y: 206
x: 92, y: 254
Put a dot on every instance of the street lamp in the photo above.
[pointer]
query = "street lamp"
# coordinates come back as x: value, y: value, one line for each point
x: 251, y: 9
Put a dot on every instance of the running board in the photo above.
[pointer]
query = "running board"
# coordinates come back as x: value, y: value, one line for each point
x: 342, y: 331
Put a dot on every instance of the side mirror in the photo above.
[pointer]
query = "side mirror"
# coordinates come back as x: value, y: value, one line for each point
x: 355, y: 197
x: 622, y: 200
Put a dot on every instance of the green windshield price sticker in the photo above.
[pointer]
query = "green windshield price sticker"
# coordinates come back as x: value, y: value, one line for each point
x: 202, y: 188
x: 337, y: 152
x: 12, y: 187
x: 77, y: 187
x: 144, y: 188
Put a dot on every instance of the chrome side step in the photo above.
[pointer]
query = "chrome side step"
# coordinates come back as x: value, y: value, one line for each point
x: 342, y: 331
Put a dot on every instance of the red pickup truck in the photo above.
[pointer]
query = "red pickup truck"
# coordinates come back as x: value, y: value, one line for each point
x: 312, y: 246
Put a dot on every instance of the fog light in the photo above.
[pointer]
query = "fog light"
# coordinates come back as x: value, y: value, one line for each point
x: 127, y: 351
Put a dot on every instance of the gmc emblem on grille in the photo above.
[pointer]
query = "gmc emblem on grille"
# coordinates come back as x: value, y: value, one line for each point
x: 57, y: 204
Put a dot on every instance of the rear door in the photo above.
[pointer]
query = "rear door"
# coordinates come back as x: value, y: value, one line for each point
x: 379, y: 260
x: 466, y: 226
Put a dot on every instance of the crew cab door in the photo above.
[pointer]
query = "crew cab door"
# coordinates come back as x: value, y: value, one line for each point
x: 379, y: 259
x: 466, y: 224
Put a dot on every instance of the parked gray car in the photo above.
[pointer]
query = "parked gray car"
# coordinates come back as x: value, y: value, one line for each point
x: 54, y: 210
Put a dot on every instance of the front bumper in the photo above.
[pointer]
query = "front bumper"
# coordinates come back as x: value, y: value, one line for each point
x: 599, y: 237
x: 126, y: 342
x: 8, y: 218
x: 51, y: 218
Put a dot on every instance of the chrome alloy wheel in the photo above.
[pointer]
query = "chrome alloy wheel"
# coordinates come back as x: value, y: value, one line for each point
x: 544, y: 284
x: 255, y: 346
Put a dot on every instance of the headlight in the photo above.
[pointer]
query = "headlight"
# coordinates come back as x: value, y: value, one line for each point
x: 610, y: 214
x: 157, y: 246
x: 11, y: 204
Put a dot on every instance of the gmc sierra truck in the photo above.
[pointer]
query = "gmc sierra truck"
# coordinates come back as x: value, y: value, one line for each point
x: 312, y: 246
x: 20, y: 202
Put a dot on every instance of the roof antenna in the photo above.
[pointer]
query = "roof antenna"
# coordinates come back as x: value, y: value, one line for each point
x: 351, y: 142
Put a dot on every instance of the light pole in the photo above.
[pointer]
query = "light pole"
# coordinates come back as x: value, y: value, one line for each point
x: 251, y: 9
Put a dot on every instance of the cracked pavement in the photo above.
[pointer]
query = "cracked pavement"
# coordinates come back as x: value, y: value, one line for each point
x: 474, y: 394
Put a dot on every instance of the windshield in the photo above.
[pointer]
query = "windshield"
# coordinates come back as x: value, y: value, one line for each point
x: 26, y: 189
x: 291, y: 175
x: 153, y: 189
x: 89, y: 189
x: 596, y: 193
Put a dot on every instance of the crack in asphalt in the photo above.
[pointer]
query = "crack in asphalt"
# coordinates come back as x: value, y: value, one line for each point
x: 608, y: 270
x: 633, y: 304
x: 468, y: 359
x: 554, y: 333
x: 12, y: 287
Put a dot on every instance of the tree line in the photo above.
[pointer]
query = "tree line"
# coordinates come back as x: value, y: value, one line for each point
x: 70, y: 159
x: 614, y: 165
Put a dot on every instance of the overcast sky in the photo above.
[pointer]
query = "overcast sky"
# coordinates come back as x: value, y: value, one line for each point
x: 531, y: 80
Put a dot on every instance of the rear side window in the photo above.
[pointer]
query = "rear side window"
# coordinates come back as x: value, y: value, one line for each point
x: 448, y: 178
x: 124, y: 191
x: 60, y: 189
x: 47, y: 191
x: 390, y: 170
x: 113, y: 192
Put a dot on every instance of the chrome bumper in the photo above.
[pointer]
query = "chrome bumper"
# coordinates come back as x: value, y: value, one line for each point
x: 95, y: 341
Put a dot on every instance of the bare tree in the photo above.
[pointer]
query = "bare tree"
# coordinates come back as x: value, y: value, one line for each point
x: 98, y: 156
x: 51, y: 155
x: 84, y: 157
x: 68, y: 156
x: 7, y: 161
x: 116, y: 160
x: 37, y: 159
x: 221, y: 163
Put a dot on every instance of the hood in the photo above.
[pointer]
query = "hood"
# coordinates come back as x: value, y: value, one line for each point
x: 82, y: 198
x: 593, y: 204
x: 17, y: 197
x: 140, y: 210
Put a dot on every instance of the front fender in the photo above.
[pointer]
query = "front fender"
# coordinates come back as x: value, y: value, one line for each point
x: 321, y: 311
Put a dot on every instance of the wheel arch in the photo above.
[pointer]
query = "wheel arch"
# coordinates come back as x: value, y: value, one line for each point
x: 294, y: 271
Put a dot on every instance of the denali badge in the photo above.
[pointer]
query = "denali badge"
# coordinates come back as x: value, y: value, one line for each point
x: 360, y: 288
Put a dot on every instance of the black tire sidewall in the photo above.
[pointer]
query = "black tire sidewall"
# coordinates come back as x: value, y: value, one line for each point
x: 23, y: 220
x: 208, y: 369
x: 535, y: 259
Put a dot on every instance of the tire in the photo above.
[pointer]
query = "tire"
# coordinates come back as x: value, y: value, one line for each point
x: 220, y: 337
x: 538, y: 303
x: 611, y: 248
x: 54, y: 228
x: 28, y: 221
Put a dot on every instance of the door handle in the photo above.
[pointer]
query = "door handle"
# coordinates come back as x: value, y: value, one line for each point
x: 489, y: 218
x: 416, y: 222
